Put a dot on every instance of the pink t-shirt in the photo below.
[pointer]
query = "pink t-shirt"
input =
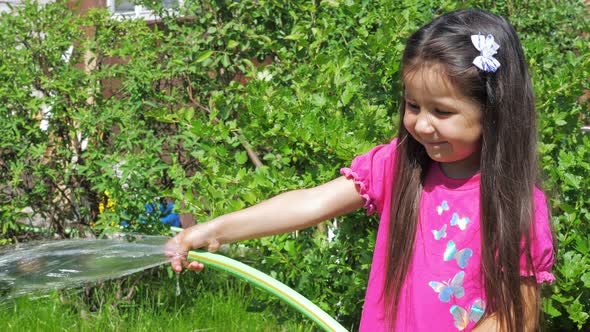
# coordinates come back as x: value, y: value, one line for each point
x: 443, y: 289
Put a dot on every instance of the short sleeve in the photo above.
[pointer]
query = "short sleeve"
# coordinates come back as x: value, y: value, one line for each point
x: 541, y: 244
x: 371, y: 172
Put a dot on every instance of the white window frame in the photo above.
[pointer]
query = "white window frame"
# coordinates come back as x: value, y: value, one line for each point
x: 139, y: 12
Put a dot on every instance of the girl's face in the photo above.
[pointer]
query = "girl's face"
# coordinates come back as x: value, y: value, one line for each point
x: 443, y: 120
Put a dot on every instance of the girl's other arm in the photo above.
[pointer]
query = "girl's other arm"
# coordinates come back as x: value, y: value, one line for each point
x: 286, y: 212
x: 531, y: 300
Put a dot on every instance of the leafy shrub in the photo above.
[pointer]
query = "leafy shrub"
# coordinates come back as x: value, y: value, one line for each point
x: 558, y: 53
x: 223, y: 104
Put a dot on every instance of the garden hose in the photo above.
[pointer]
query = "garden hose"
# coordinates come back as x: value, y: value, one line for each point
x: 268, y: 284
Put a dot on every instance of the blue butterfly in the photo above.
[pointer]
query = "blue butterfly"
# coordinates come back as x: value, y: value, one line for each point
x: 440, y: 234
x: 447, y: 289
x: 462, y: 256
x: 461, y: 222
x: 462, y: 317
x: 443, y: 207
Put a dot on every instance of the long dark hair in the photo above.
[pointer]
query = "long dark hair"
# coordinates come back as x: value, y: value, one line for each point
x: 508, y: 161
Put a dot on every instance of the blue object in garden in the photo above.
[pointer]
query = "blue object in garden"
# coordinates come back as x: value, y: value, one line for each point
x: 166, y: 211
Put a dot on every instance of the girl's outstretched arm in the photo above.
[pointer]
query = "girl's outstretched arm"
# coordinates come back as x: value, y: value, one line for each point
x: 531, y: 300
x: 286, y: 212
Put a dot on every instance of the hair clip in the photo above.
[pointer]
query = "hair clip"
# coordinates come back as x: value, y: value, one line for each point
x: 488, y: 47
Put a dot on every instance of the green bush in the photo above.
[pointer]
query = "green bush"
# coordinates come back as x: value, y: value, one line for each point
x: 175, y: 110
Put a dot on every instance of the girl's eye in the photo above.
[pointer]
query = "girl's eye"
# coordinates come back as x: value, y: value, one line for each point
x: 412, y: 106
x: 442, y: 113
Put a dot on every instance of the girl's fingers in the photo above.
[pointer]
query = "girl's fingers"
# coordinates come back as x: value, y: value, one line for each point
x: 176, y: 265
x: 195, y: 266
x: 177, y: 249
x: 176, y: 253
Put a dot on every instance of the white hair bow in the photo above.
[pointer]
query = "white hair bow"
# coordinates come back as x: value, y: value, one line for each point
x: 488, y: 47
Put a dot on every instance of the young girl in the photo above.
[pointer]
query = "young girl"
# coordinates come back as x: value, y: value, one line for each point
x: 464, y: 238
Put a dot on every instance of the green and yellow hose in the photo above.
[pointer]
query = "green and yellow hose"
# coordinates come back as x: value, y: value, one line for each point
x: 266, y: 283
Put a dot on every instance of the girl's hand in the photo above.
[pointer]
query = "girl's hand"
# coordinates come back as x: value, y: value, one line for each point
x: 195, y: 237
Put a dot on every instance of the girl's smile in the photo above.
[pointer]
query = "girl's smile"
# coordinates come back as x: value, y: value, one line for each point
x: 443, y: 120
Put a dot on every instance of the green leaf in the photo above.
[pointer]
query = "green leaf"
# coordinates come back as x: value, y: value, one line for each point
x: 204, y: 56
x: 250, y: 197
x: 562, y: 299
x: 241, y: 157
x: 318, y: 100
x: 572, y: 180
x: 347, y: 95
x: 577, y: 312
x: 290, y: 247
x: 550, y: 309
x: 225, y: 60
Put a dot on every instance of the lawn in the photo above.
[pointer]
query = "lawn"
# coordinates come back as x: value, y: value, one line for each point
x: 209, y: 301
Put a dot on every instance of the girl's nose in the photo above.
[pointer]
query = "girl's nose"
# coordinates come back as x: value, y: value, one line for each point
x: 423, y: 124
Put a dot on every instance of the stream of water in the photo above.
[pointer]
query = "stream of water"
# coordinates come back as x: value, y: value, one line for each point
x: 38, y: 267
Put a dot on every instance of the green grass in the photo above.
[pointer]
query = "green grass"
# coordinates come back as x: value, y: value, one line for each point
x: 209, y: 301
